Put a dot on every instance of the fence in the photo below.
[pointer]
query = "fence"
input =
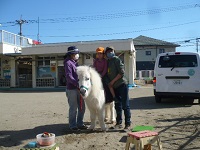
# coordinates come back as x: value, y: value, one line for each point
x: 4, y: 82
x: 14, y: 39
x: 144, y: 74
x: 45, y: 82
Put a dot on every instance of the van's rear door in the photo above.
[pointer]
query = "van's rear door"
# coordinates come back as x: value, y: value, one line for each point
x: 178, y: 72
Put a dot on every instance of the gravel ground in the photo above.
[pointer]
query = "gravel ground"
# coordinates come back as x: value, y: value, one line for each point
x: 23, y: 115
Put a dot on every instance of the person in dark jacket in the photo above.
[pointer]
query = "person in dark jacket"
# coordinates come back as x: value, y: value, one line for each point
x: 120, y: 86
x: 76, y: 104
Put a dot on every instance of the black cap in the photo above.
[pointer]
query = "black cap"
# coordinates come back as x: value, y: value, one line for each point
x: 109, y: 48
x: 72, y: 50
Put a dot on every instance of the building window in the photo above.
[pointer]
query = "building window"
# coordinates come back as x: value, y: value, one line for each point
x: 162, y: 50
x: 148, y: 52
x: 46, y: 67
x: 40, y: 61
x: 87, y: 56
x: 44, y: 61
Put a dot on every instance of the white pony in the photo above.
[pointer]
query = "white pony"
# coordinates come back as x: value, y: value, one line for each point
x: 91, y: 89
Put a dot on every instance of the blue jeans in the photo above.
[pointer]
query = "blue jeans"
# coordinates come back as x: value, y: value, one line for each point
x: 75, y: 119
x: 122, y: 95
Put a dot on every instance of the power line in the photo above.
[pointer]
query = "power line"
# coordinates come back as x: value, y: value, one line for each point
x: 113, y: 15
x: 197, y: 43
x: 128, y: 32
x: 118, y: 15
x: 101, y: 17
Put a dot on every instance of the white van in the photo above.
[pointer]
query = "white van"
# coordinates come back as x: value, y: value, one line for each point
x: 177, y: 74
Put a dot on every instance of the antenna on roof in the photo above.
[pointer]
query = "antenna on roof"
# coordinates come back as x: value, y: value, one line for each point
x: 38, y: 35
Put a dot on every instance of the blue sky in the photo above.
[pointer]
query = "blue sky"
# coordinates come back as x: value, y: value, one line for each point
x: 78, y: 20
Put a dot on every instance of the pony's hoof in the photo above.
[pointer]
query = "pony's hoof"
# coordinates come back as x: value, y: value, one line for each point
x: 91, y: 128
x: 104, y: 130
x: 106, y: 120
x: 113, y: 122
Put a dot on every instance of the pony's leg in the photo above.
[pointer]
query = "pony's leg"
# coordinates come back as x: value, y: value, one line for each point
x: 93, y: 119
x: 101, y: 119
x: 112, y: 109
x: 107, y: 112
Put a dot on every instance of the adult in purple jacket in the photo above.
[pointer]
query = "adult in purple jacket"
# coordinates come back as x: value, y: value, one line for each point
x: 76, y: 105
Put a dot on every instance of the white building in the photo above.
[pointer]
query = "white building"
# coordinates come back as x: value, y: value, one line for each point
x: 147, y: 49
x: 10, y: 45
x: 47, y: 59
x: 28, y: 65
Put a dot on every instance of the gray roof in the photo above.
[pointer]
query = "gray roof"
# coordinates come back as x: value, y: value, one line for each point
x: 147, y: 41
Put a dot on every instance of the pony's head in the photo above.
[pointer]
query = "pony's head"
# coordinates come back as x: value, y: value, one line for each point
x: 88, y: 79
x: 84, y: 79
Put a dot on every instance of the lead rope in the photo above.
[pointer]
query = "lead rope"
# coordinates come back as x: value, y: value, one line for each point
x: 81, y: 100
x: 81, y: 103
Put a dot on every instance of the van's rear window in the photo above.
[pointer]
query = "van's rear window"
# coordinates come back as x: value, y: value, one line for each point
x: 177, y: 61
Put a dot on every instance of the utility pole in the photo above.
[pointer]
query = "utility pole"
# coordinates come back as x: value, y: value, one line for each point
x: 197, y: 44
x: 20, y: 22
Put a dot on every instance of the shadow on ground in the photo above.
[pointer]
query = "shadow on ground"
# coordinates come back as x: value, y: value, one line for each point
x: 186, y: 127
x: 32, y: 90
x: 12, y: 138
x: 15, y: 138
x: 149, y: 103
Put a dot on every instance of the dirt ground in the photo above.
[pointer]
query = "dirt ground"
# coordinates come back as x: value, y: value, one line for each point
x: 23, y: 115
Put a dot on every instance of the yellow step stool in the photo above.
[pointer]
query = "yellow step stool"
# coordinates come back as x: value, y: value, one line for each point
x: 142, y: 138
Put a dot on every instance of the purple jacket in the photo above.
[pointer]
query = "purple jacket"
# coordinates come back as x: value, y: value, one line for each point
x: 70, y: 74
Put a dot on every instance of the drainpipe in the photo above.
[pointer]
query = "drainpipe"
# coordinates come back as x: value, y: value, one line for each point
x: 156, y: 51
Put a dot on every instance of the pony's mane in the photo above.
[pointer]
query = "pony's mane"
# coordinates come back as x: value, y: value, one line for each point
x: 95, y: 77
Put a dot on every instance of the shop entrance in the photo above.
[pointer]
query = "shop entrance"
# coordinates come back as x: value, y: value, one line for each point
x: 24, y: 72
x: 61, y: 76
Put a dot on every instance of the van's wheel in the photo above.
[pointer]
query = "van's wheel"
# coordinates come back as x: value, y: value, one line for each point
x: 199, y: 101
x: 158, y: 99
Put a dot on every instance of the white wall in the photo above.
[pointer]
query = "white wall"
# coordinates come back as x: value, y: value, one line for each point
x: 58, y: 48
x: 7, y: 48
x: 141, y: 53
x: 88, y: 59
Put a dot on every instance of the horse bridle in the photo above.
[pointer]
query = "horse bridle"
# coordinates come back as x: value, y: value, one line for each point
x: 83, y: 87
